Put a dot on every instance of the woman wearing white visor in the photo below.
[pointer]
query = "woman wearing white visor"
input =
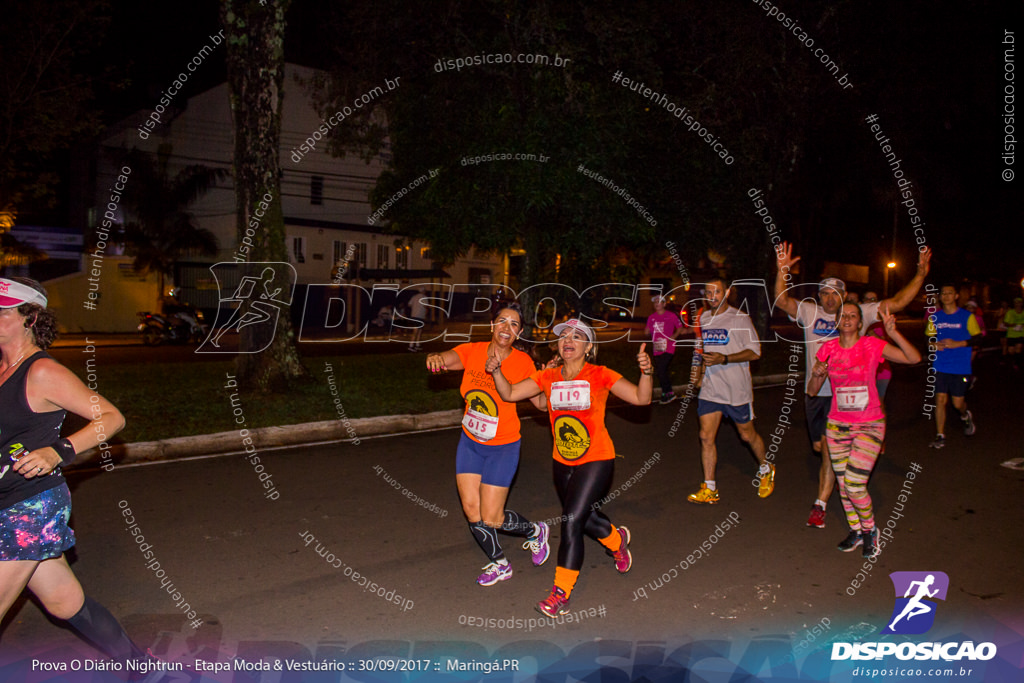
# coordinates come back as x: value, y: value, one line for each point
x: 584, y: 456
x: 35, y: 394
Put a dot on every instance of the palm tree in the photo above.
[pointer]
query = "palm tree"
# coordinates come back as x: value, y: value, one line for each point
x: 12, y: 251
x: 160, y: 230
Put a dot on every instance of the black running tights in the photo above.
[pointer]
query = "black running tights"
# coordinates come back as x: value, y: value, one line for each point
x: 580, y: 489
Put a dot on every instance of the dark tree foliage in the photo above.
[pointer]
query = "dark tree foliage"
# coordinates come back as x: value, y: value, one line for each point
x: 792, y: 118
x: 570, y: 114
x: 46, y: 101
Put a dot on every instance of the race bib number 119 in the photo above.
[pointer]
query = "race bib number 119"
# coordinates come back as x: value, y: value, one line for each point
x: 573, y: 395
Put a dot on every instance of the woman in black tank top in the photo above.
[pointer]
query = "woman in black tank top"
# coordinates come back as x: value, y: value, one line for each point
x: 35, y: 393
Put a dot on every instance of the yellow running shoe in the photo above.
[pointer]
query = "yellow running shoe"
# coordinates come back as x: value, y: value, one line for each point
x: 767, y: 485
x: 704, y: 496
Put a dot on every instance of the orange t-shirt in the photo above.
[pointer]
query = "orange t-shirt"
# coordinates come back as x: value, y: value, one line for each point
x: 478, y: 389
x: 580, y: 434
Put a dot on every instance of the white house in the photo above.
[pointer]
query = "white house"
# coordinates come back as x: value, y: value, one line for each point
x: 324, y: 200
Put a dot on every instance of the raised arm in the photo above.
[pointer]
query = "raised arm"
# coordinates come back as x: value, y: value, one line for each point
x: 902, y: 298
x: 511, y: 393
x: 903, y: 351
x: 784, y: 262
x: 637, y: 394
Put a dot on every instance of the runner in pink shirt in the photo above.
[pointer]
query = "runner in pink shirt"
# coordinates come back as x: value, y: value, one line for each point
x: 663, y: 326
x: 856, y: 421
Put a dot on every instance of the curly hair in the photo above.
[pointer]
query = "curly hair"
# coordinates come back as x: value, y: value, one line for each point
x: 40, y: 320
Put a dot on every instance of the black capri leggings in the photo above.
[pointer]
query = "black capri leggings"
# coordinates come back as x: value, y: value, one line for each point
x: 579, y: 488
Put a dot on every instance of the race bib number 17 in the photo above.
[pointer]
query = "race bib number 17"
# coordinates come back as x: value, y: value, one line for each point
x: 852, y: 399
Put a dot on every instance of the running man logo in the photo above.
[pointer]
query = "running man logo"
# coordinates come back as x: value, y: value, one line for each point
x: 256, y: 295
x: 481, y: 402
x: 571, y: 437
x: 914, y: 613
x: 716, y: 337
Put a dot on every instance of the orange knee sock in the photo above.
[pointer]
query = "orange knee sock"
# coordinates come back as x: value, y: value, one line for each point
x: 566, y: 579
x: 613, y: 540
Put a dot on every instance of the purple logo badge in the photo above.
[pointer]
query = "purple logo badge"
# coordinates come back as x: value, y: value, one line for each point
x: 916, y: 593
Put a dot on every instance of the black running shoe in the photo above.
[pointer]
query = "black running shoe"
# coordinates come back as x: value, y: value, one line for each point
x: 852, y: 540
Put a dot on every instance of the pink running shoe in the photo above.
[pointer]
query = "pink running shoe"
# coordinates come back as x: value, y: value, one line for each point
x: 555, y: 604
x: 623, y: 558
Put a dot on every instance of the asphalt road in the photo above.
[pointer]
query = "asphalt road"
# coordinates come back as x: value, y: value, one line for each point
x: 769, y: 591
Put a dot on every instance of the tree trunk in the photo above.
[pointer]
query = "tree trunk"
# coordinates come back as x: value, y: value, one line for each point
x: 254, y: 36
x: 536, y: 262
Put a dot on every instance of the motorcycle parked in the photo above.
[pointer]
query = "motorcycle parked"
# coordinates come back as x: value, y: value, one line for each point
x: 181, y: 327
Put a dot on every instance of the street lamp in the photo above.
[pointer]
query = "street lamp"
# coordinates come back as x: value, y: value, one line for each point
x: 888, y: 266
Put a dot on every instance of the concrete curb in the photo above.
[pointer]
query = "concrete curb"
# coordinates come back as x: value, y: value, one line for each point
x: 270, y: 437
x: 296, y: 435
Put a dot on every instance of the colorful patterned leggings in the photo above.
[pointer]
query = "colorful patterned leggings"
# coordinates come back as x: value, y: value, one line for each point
x: 854, y: 449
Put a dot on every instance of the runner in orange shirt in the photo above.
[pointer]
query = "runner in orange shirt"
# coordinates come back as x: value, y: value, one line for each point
x: 584, y: 456
x: 488, y: 451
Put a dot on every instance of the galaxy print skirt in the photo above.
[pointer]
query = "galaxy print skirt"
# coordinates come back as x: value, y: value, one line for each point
x: 37, y: 528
